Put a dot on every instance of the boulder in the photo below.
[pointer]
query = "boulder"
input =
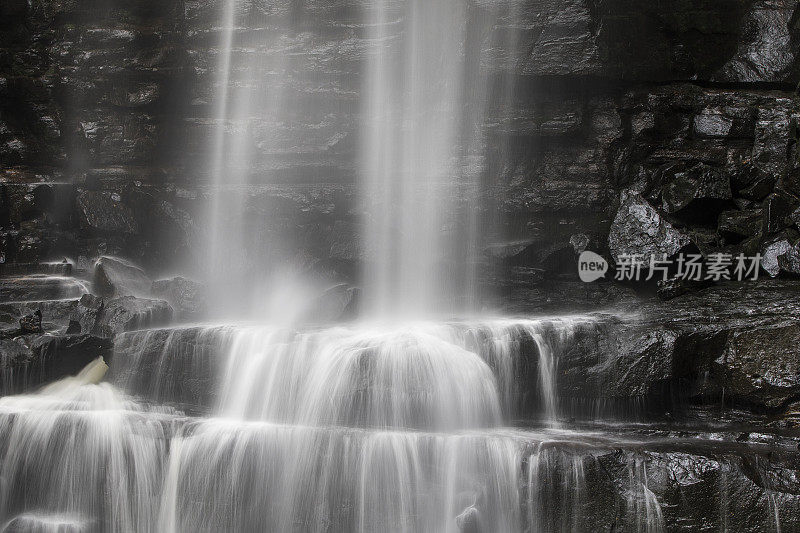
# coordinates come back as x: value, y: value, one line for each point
x: 697, y: 192
x: 778, y: 209
x: 469, y: 521
x: 790, y: 260
x: 639, y: 229
x: 761, y: 366
x: 186, y: 296
x: 766, y: 50
x: 771, y: 253
x: 87, y: 314
x: 108, y: 318
x: 117, y: 277
x: 129, y: 313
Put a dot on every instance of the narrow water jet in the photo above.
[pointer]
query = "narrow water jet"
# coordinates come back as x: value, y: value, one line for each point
x: 420, y: 196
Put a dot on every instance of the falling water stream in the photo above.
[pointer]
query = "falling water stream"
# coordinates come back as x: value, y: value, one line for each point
x: 403, y: 422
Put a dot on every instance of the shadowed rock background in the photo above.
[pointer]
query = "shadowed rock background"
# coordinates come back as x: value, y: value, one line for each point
x: 687, y: 109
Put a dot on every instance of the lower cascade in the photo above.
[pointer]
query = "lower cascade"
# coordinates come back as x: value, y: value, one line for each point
x: 350, y: 428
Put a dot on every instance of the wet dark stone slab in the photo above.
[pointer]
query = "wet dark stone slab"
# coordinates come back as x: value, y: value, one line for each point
x: 29, y: 361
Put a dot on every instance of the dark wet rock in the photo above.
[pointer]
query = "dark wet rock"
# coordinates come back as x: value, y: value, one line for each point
x: 666, y: 354
x: 169, y: 229
x: 55, y: 313
x: 53, y: 269
x: 187, y: 297
x: 117, y: 277
x: 40, y: 287
x: 762, y: 366
x: 108, y: 318
x: 15, y: 355
x: 768, y: 48
x: 645, y: 366
x: 778, y: 208
x: 674, y: 287
x: 737, y: 225
x: 87, y: 314
x: 669, y: 483
x: 712, y: 125
x: 639, y: 229
x: 128, y: 313
x: 104, y: 213
x: 696, y: 193
x: 795, y: 216
x: 31, y: 323
x: 176, y: 365
x: 524, y: 290
x: 28, y: 363
x: 506, y: 250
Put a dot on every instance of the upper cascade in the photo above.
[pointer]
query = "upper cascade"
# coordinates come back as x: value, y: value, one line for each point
x: 420, y: 375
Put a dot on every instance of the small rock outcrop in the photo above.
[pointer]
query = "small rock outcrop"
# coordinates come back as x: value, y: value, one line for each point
x: 109, y: 317
x: 639, y: 229
x: 762, y: 365
x: 26, y: 363
x: 115, y: 277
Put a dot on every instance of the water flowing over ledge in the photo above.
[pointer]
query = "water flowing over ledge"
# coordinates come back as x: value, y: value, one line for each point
x: 423, y: 375
x: 359, y: 439
x: 171, y: 473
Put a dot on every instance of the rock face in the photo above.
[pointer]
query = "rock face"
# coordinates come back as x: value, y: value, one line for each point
x: 639, y: 229
x: 27, y: 364
x: 107, y: 318
x: 762, y: 365
x: 722, y: 344
x: 690, y: 191
x: 104, y: 131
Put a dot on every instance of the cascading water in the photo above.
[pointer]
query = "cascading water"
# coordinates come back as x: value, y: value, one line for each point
x: 400, y: 423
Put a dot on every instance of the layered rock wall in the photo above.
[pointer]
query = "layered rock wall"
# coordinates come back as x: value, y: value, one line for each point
x: 107, y: 109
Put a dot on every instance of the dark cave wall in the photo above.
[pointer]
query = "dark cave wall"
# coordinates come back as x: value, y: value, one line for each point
x: 106, y: 108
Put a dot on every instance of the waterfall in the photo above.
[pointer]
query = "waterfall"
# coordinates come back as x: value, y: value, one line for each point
x: 421, y: 375
x: 425, y: 415
x: 247, y: 266
x: 419, y: 197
